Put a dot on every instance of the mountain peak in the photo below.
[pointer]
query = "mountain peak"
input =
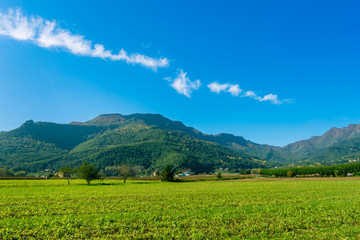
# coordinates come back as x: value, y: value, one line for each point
x: 112, y: 139
x: 117, y: 118
x: 29, y: 122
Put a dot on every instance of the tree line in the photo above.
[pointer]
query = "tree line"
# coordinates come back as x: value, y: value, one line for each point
x: 90, y: 172
x: 322, y: 171
x: 9, y: 173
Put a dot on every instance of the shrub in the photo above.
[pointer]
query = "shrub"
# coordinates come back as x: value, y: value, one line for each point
x: 167, y: 175
x: 290, y: 174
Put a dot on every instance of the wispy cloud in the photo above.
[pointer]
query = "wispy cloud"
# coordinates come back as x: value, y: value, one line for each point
x: 47, y: 34
x: 273, y: 98
x: 217, y: 87
x: 183, y: 85
x: 235, y: 90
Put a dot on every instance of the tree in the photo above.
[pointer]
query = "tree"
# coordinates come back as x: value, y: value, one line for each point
x: 126, y: 171
x: 290, y: 174
x: 167, y: 175
x: 218, y: 175
x: 102, y: 176
x: 88, y: 172
x: 6, y: 173
x: 67, y: 171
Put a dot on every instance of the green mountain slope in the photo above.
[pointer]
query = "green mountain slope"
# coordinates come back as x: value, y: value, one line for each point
x: 338, y: 145
x: 151, y: 140
x: 340, y: 152
x: 175, y: 148
x: 335, y: 146
x: 114, y: 139
x: 235, y: 142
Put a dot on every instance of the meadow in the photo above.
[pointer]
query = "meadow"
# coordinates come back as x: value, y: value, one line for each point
x: 327, y: 208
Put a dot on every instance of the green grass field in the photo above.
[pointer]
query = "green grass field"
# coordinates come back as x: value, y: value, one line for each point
x: 293, y: 209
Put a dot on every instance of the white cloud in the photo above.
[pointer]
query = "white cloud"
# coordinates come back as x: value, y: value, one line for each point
x: 99, y: 51
x: 217, y: 88
x: 44, y: 33
x: 137, y: 58
x: 272, y: 98
x: 15, y: 25
x: 249, y: 94
x: 52, y: 36
x: 235, y: 90
x: 183, y: 85
x: 47, y: 34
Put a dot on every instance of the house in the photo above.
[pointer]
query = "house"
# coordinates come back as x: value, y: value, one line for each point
x: 59, y: 174
x: 183, y: 173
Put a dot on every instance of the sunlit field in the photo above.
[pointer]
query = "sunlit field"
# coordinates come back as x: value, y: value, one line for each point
x: 250, y: 208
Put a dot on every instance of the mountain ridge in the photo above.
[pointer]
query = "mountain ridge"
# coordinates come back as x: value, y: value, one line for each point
x: 44, y: 144
x: 51, y: 140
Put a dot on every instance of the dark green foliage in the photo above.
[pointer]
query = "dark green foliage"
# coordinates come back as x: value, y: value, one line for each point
x: 6, y: 172
x: 155, y: 148
x: 147, y: 140
x: 88, y: 172
x: 290, y: 174
x: 34, y: 146
x: 218, y: 175
x: 323, y: 171
x: 167, y: 175
x: 63, y: 136
x: 153, y: 141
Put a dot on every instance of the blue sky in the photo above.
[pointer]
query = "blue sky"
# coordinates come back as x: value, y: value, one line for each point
x: 272, y: 71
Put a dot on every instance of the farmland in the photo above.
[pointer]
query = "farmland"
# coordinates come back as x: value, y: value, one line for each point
x: 326, y: 208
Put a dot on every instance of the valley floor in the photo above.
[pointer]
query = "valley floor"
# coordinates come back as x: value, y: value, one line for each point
x: 326, y: 208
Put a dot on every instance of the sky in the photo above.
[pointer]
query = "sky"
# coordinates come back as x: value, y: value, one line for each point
x: 273, y: 72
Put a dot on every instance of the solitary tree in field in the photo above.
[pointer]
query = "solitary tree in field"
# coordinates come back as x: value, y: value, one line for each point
x: 88, y: 172
x: 167, y: 175
x: 102, y: 176
x: 126, y: 171
x: 67, y: 171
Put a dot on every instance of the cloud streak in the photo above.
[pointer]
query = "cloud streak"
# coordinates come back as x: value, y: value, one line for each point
x: 183, y: 85
x: 233, y: 89
x: 47, y: 34
x: 236, y: 91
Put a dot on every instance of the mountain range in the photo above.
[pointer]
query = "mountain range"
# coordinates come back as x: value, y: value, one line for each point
x: 153, y: 141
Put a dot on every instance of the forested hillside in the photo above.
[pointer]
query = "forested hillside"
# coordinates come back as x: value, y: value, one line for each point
x: 152, y: 141
x: 115, y: 139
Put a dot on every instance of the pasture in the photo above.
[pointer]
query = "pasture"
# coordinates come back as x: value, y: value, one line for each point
x: 326, y: 208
